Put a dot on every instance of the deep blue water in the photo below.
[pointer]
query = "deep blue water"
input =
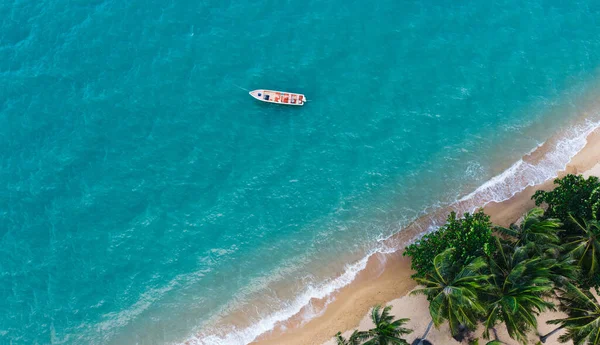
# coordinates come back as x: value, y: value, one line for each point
x: 143, y: 193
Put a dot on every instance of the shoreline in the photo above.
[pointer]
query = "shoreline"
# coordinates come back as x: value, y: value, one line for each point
x: 386, y: 277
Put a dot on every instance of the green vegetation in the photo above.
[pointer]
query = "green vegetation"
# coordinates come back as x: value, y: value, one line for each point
x: 576, y: 203
x: 534, y: 229
x: 387, y: 331
x: 574, y: 196
x: 453, y: 297
x: 355, y: 339
x: 584, y: 247
x: 518, y: 286
x: 471, y: 237
x: 475, y: 273
x: 583, y: 320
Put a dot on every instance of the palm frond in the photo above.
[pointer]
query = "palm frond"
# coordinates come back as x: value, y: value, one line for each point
x: 454, y: 296
x: 386, y: 330
x: 583, y: 316
x: 519, y: 287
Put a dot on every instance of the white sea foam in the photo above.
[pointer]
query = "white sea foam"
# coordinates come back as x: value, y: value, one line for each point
x: 247, y: 335
x: 499, y: 188
x: 523, y: 174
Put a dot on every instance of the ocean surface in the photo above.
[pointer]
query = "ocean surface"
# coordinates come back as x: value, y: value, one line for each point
x: 145, y: 198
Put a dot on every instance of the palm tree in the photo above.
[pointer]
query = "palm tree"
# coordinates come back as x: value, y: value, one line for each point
x: 584, y: 247
x: 355, y: 339
x: 563, y: 269
x: 423, y: 339
x: 387, y: 331
x: 583, y: 320
x: 596, y: 206
x: 541, y: 237
x: 454, y: 296
x: 543, y: 233
x: 519, y: 284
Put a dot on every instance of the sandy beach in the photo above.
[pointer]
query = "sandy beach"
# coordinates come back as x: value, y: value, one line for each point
x: 386, y: 279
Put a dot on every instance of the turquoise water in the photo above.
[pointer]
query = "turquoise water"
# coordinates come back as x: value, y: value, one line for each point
x: 144, y: 196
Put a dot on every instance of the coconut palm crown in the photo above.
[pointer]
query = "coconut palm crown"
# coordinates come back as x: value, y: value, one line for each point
x: 519, y: 285
x: 355, y: 339
x: 387, y: 331
x: 454, y: 296
x: 583, y: 320
x: 534, y: 229
x: 584, y: 246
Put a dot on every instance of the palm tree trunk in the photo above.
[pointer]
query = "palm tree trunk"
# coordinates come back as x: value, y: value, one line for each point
x: 545, y: 337
x: 495, y: 334
x: 426, y: 332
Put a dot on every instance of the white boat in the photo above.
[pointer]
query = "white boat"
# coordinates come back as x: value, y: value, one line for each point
x: 279, y: 97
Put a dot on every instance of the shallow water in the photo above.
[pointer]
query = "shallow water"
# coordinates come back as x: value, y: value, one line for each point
x: 145, y: 195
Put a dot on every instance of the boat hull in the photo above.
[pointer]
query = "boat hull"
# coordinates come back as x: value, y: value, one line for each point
x: 279, y: 97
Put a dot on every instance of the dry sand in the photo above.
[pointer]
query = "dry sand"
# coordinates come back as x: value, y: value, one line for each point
x: 387, y: 277
x: 415, y: 307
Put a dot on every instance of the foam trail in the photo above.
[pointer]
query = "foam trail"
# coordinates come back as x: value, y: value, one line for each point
x: 519, y: 176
